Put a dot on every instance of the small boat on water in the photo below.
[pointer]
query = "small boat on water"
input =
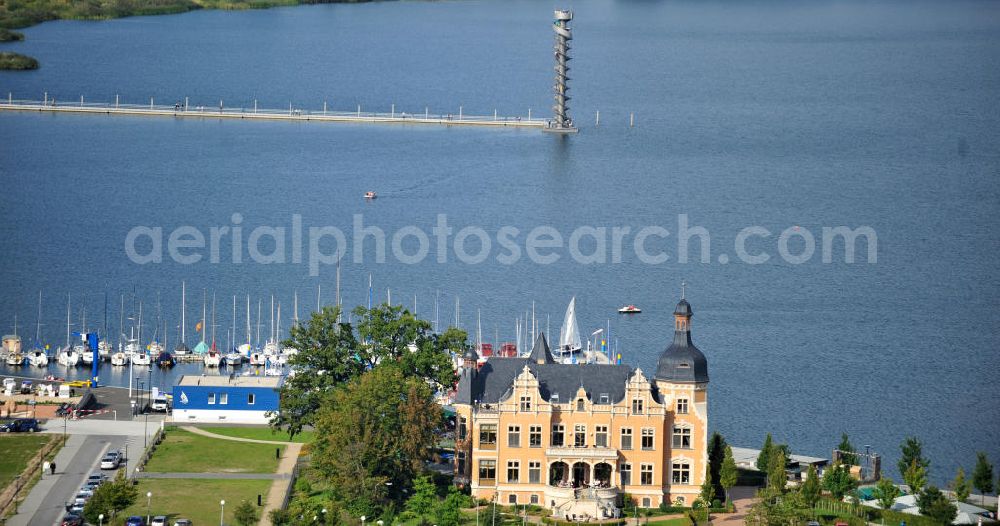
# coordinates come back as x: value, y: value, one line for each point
x: 104, y: 350
x: 234, y: 359
x: 273, y: 371
x: 164, y: 359
x: 38, y: 358
x: 140, y: 358
x: 86, y: 355
x: 15, y: 359
x: 258, y: 359
x: 369, y: 195
x: 68, y: 357
x: 212, y: 358
x: 629, y: 309
x: 119, y: 359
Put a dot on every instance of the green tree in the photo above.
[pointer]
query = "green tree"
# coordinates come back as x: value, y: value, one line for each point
x: 280, y: 517
x: 772, y: 508
x: 912, y: 451
x: 936, y: 505
x: 326, y: 359
x: 377, y: 429
x: 245, y: 514
x: 811, y: 489
x: 848, y: 455
x: 707, y: 489
x: 885, y: 492
x: 838, y: 481
x: 728, y: 473
x: 776, y: 475
x: 961, y: 486
x: 716, y: 455
x: 915, y: 476
x: 982, y: 475
x: 764, y: 458
x: 110, y: 498
x: 423, y: 496
x: 391, y: 334
x: 449, y: 512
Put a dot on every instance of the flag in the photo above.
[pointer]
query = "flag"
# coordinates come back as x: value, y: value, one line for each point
x: 197, y: 327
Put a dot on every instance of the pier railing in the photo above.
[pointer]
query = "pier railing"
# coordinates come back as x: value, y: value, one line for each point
x: 182, y: 109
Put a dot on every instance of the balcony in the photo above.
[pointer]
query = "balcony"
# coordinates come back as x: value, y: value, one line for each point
x: 599, y: 453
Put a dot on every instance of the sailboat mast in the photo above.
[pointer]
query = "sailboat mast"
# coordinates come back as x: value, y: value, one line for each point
x: 272, y: 318
x: 337, y: 299
x: 121, y: 321
x: 260, y: 304
x: 248, y: 319
x: 277, y: 326
x: 140, y: 323
x: 69, y: 299
x: 232, y: 342
x: 38, y: 320
x: 479, y: 331
x: 183, y: 311
x: 295, y: 313
x: 213, y: 319
x: 204, y: 314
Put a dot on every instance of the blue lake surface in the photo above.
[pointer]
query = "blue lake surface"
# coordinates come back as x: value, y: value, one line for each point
x: 775, y: 114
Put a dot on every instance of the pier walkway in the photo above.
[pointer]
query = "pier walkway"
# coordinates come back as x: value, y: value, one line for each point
x: 183, y: 110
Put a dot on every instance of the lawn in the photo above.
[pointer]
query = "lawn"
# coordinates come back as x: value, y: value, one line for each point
x: 195, y: 499
x: 184, y: 452
x: 260, y: 433
x: 16, y: 451
x: 680, y: 521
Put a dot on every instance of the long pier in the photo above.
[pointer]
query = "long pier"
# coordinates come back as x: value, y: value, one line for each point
x: 183, y: 110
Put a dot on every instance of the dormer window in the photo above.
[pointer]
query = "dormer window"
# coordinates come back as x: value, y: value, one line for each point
x: 604, y: 399
x: 579, y: 405
x: 555, y: 398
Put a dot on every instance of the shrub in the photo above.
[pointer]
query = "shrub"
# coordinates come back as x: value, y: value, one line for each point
x: 7, y: 35
x: 17, y: 62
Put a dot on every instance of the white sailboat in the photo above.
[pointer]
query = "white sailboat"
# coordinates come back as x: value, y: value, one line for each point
x: 119, y: 359
x: 212, y: 358
x: 569, y: 336
x: 68, y: 356
x: 37, y: 355
x: 182, y: 348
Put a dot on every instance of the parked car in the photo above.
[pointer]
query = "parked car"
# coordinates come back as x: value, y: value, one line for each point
x: 182, y: 522
x: 134, y: 521
x: 86, y: 492
x: 111, y: 460
x: 20, y: 425
x: 26, y: 387
x: 76, y: 509
x: 99, y: 478
x: 64, y: 409
x: 159, y: 520
x: 72, y: 519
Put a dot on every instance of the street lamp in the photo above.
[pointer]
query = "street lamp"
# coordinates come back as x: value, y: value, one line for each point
x: 363, y: 520
x: 149, y: 498
x: 100, y: 519
x: 222, y: 513
x: 323, y: 512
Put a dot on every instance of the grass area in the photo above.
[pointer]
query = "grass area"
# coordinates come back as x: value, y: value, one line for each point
x: 194, y: 499
x: 260, y: 433
x: 17, y: 61
x: 15, y: 452
x: 184, y: 452
x: 680, y: 521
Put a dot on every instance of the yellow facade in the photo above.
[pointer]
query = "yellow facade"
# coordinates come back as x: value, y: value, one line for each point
x: 558, y: 453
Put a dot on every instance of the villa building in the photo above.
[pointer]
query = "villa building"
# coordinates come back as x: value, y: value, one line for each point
x: 573, y: 438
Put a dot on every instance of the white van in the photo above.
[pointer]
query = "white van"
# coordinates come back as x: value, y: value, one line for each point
x: 159, y: 403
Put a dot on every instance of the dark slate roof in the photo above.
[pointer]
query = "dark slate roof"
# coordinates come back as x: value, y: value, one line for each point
x: 470, y: 355
x: 682, y: 362
x: 494, y: 381
x: 683, y: 308
x: 540, y: 352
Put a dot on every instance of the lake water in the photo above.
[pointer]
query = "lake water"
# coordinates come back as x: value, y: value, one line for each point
x: 775, y: 114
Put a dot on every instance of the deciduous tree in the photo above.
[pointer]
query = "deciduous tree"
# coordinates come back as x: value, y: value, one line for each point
x: 245, y: 514
x: 915, y: 476
x: 885, y: 492
x: 707, y: 489
x: 838, y: 481
x: 811, y: 489
x: 961, y: 486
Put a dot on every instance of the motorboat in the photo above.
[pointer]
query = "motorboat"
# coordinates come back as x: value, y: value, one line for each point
x: 181, y: 350
x: 104, y: 350
x: 258, y: 359
x: 38, y: 358
x: 141, y: 358
x: 273, y: 371
x: 234, y: 358
x: 119, y: 359
x: 630, y: 309
x: 165, y: 359
x: 15, y: 359
x: 369, y: 195
x: 86, y: 356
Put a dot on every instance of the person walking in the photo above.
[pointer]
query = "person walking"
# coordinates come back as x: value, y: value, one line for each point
x: 52, y: 467
x: 45, y: 467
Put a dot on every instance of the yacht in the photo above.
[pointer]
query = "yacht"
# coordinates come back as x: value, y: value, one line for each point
x: 164, y: 359
x: 630, y: 309
x: 38, y: 358
x: 140, y: 358
x: 234, y: 358
x: 258, y: 359
x: 212, y: 358
x: 68, y: 357
x: 119, y: 359
x: 104, y: 350
x: 86, y: 355
x: 15, y: 359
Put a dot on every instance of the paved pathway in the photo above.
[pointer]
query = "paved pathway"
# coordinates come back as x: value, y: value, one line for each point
x: 286, y: 467
x: 743, y: 499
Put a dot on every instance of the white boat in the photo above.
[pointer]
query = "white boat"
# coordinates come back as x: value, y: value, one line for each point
x: 15, y: 359
x: 155, y: 348
x: 258, y: 359
x: 234, y: 358
x: 245, y: 350
x: 38, y: 358
x: 11, y: 344
x: 281, y: 359
x: 119, y: 359
x: 569, y: 337
x: 273, y: 371
x: 68, y: 357
x: 212, y: 358
x: 86, y: 355
x: 271, y: 348
x: 140, y: 358
x: 104, y: 350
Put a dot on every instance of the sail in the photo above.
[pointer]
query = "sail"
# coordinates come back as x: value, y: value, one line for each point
x: 201, y: 348
x: 569, y: 336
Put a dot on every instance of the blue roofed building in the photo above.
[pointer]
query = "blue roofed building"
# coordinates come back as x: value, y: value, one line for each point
x: 226, y: 399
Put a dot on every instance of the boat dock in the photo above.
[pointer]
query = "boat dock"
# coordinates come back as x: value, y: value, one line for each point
x: 184, y: 110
